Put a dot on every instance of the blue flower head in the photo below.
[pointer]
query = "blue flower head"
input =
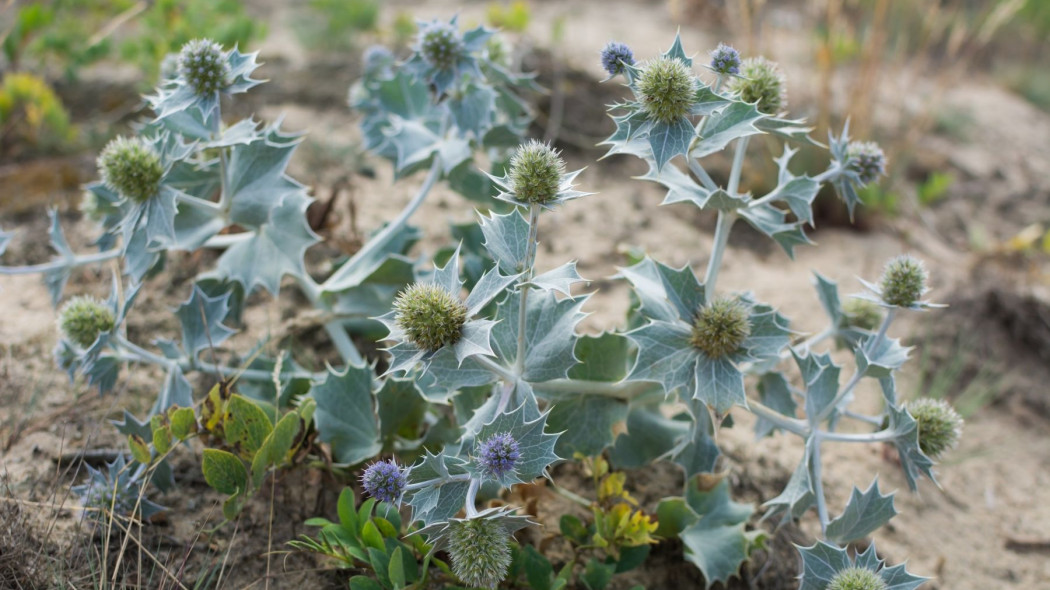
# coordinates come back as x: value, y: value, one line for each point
x: 385, y: 481
x: 499, y: 454
x: 867, y: 160
x: 616, y: 57
x: 725, y: 60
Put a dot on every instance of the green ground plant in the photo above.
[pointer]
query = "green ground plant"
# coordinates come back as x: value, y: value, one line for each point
x: 485, y: 381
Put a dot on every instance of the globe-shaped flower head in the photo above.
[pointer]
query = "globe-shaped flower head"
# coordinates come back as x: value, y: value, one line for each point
x: 83, y: 318
x: 430, y: 315
x: 721, y: 327
x: 440, y: 45
x: 480, y: 551
x: 616, y: 57
x: 131, y: 167
x: 204, y: 67
x: 498, y: 455
x: 857, y: 578
x: 940, y: 426
x: 667, y: 89
x: 903, y: 281
x: 861, y: 313
x: 535, y: 173
x: 385, y: 481
x: 725, y: 60
x: 867, y: 160
x: 761, y: 82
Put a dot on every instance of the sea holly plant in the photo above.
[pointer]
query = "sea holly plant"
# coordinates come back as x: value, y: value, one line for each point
x: 482, y: 380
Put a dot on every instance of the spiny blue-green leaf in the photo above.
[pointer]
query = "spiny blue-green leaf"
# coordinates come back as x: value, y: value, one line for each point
x: 345, y: 415
x: 588, y: 423
x: 276, y: 249
x: 256, y: 179
x: 898, y: 577
x: 798, y: 495
x: 175, y: 391
x: 670, y: 139
x: 441, y: 501
x: 359, y: 270
x: 865, y: 512
x: 201, y: 318
x: 452, y: 153
x: 666, y: 293
x: 717, y: 543
x: 445, y: 375
x: 828, y: 293
x: 414, y: 143
x: 771, y: 221
x: 700, y: 454
x: 536, y: 447
x: 675, y: 51
x: 791, y: 129
x: 720, y: 200
x: 913, y: 461
x: 649, y: 435
x: 774, y: 392
x: 820, y: 563
x: 521, y: 396
x: 770, y: 333
x: 401, y: 410
x: 56, y: 279
x: 560, y: 279
x: 404, y: 95
x: 550, y: 334
x: 102, y: 371
x: 883, y: 360
x: 821, y: 378
x: 680, y: 186
x: 472, y: 109
x: 719, y: 384
x: 5, y: 240
x: 242, y: 132
x: 735, y: 121
x: 665, y: 355
x: 491, y: 285
x: 507, y: 239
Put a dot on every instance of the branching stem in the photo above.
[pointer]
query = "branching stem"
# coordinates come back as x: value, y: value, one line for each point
x: 524, y: 282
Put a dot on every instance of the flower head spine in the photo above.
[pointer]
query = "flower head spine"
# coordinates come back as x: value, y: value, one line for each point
x: 616, y: 57
x: 203, y: 64
x: 131, y: 167
x: 725, y: 60
x: 499, y: 454
x: 385, y: 481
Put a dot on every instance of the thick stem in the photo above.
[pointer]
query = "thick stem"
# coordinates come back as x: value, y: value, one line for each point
x: 831, y: 174
x: 857, y: 374
x: 216, y: 129
x: 383, y: 238
x: 818, y: 482
x: 132, y: 352
x: 788, y: 423
x: 725, y: 224
x: 496, y: 368
x: 504, y: 396
x: 868, y: 437
x: 705, y: 179
x: 198, y: 203
x: 625, y: 390
x: 60, y: 263
x: 437, y: 481
x: 523, y: 283
x: 472, y: 498
x: 738, y: 165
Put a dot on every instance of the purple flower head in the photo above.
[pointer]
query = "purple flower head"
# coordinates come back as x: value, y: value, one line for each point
x: 385, y: 481
x: 499, y: 454
x: 725, y: 60
x: 615, y: 56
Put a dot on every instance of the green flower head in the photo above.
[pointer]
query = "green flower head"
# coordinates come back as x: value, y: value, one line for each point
x: 430, y: 315
x: 667, y: 89
x: 861, y: 313
x: 940, y: 426
x: 83, y: 318
x: 480, y: 551
x: 440, y: 45
x: 131, y: 167
x: 721, y: 326
x: 857, y: 578
x: 535, y: 173
x: 761, y: 82
x: 203, y: 64
x: 903, y: 281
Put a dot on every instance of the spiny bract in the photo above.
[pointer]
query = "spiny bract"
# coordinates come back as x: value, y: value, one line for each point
x: 857, y: 578
x: 202, y: 63
x: 867, y: 160
x: 385, y: 481
x: 721, y: 326
x: 131, y: 167
x: 480, y: 550
x: 940, y: 426
x: 667, y: 89
x: 616, y: 57
x: 761, y: 82
x: 440, y: 45
x: 83, y: 318
x: 535, y: 173
x: 862, y: 314
x: 430, y: 316
x: 499, y: 454
x: 903, y: 281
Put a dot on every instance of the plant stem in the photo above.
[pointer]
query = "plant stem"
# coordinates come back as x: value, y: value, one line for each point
x: 523, y: 283
x: 701, y: 174
x: 196, y: 202
x: 472, y: 498
x: 830, y: 174
x: 857, y: 374
x: 75, y: 261
x: 725, y: 224
x: 134, y: 353
x: 625, y: 390
x: 496, y: 368
x: 437, y: 481
x: 818, y: 481
x: 869, y: 437
x: 788, y: 423
x: 571, y: 496
x: 738, y: 165
x: 384, y: 237
x: 216, y: 128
